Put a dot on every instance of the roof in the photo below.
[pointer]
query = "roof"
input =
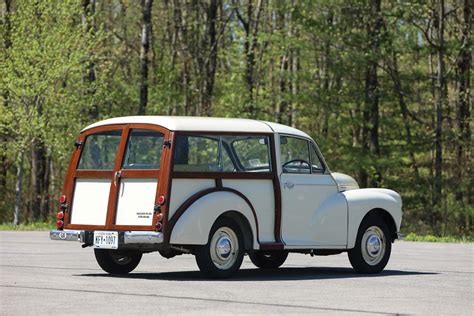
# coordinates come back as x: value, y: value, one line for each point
x: 203, y: 124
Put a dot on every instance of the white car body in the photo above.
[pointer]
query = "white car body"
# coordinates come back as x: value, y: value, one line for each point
x: 291, y: 207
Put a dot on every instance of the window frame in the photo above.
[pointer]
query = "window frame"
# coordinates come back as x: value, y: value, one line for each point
x: 227, y: 174
x: 310, y: 142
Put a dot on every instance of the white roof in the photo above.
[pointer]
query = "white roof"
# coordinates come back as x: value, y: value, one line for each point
x: 203, y: 124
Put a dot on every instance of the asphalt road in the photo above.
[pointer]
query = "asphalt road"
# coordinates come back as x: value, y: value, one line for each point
x: 39, y: 276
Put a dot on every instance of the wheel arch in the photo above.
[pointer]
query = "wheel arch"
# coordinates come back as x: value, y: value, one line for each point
x: 195, y: 223
x: 386, y: 217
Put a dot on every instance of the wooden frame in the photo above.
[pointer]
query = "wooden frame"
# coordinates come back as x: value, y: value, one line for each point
x: 74, y: 174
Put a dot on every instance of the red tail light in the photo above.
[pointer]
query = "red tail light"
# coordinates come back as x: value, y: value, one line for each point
x: 62, y: 199
x: 60, y: 215
x: 161, y: 200
x: 59, y: 224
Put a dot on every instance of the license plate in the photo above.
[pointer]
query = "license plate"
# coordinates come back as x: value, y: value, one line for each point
x: 106, y: 240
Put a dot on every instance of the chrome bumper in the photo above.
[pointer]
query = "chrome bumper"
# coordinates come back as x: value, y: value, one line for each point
x: 129, y: 237
x: 142, y: 237
x: 67, y: 235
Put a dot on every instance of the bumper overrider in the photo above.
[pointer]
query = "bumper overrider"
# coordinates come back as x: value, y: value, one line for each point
x: 125, y: 238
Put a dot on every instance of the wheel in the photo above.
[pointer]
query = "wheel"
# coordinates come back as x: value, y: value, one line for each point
x: 117, y: 261
x: 223, y: 254
x: 373, y: 246
x: 268, y: 260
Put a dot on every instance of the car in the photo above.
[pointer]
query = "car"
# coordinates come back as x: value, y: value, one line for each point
x: 219, y: 189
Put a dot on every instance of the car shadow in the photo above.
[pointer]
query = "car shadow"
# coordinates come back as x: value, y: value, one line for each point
x: 281, y: 274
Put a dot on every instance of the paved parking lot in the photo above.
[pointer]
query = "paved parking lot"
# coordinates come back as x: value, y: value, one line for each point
x: 39, y: 276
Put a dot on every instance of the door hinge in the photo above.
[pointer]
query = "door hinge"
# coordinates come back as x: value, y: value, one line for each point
x: 167, y: 143
x: 78, y: 144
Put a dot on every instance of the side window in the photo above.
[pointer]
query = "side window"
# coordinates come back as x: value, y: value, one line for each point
x: 144, y: 150
x: 100, y: 151
x: 317, y: 165
x: 294, y: 155
x: 252, y: 153
x: 196, y: 153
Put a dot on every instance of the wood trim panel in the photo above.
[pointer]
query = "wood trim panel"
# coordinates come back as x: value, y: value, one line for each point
x: 135, y: 173
x: 276, y: 192
x: 186, y: 204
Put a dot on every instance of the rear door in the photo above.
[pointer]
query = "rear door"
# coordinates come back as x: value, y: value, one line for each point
x: 114, y: 178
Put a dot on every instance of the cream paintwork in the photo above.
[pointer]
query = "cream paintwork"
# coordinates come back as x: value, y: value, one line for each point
x: 195, y: 224
x: 89, y: 205
x: 361, y: 201
x: 183, y: 189
x: 135, y: 202
x: 261, y: 195
x: 311, y: 215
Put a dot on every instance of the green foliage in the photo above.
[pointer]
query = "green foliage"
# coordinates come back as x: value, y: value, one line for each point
x: 431, y: 238
x: 309, y: 70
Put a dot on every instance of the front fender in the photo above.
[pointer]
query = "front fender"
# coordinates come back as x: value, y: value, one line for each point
x: 194, y: 225
x: 362, y: 201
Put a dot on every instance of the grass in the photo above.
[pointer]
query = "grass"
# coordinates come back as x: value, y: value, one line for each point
x: 432, y: 238
x: 36, y: 226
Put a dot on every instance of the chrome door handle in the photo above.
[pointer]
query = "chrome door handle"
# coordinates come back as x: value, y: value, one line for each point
x: 117, y: 174
x: 288, y: 185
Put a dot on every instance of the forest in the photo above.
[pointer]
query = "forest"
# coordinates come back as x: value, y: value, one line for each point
x: 382, y: 85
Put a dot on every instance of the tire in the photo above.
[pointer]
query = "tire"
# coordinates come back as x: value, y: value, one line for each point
x: 373, y: 246
x: 223, y: 254
x: 268, y: 260
x: 117, y: 261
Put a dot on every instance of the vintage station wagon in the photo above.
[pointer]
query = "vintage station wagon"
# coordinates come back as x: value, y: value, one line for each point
x: 217, y: 188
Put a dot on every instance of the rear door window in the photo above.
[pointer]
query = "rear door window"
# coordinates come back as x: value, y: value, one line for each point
x: 144, y: 148
x: 100, y: 151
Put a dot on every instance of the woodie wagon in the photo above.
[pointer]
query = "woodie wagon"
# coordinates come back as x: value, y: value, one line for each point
x: 217, y: 188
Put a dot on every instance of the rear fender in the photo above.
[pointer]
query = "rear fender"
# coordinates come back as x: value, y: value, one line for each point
x: 362, y: 201
x: 194, y: 226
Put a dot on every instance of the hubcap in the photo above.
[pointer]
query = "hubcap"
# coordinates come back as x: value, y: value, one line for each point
x: 373, y: 245
x: 224, y: 248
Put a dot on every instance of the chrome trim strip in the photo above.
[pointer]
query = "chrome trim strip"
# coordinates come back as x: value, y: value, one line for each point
x: 142, y: 237
x: 67, y: 235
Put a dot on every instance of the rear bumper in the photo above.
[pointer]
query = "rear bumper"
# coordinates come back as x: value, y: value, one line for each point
x: 125, y: 238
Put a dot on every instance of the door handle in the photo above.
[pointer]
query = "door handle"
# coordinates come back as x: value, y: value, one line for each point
x: 288, y: 185
x: 117, y: 174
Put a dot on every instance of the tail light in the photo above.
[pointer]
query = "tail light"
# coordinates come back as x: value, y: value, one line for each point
x: 159, y: 217
x: 59, y: 224
x: 60, y: 215
x: 62, y: 199
x: 161, y: 200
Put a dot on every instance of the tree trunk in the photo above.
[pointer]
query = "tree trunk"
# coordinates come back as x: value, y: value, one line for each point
x: 144, y: 52
x: 39, y: 172
x: 464, y: 98
x: 211, y: 60
x: 440, y: 87
x: 18, y: 190
x: 88, y: 21
x: 371, y: 86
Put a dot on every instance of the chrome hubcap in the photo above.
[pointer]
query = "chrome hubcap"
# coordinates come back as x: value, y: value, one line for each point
x: 373, y: 245
x: 224, y: 248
